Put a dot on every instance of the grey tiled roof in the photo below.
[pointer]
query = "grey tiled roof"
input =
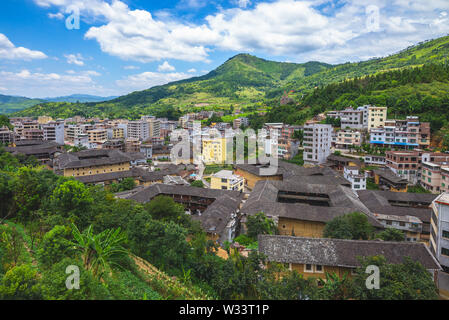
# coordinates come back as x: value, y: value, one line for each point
x: 217, y: 215
x: 34, y: 147
x: 88, y: 158
x: 341, y: 199
x: 341, y: 253
x: 399, y: 196
x: 287, y: 170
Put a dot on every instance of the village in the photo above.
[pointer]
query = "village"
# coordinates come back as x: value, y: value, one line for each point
x: 341, y: 162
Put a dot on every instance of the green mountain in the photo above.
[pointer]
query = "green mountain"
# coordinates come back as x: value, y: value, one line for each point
x: 10, y: 104
x: 79, y: 98
x: 422, y: 91
x: 245, y: 81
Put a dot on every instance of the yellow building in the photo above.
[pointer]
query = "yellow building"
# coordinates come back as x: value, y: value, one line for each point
x: 313, y: 258
x: 118, y: 133
x: 214, y: 150
x: 226, y: 180
x: 92, y: 162
x: 97, y: 135
x: 44, y: 119
x: 376, y: 117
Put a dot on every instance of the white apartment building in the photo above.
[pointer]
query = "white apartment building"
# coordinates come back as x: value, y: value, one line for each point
x: 344, y: 139
x: 139, y: 130
x: 355, y: 177
x: 374, y: 160
x: 317, y: 143
x: 352, y: 119
x: 439, y: 230
x: 54, y: 131
x: 72, y: 133
x: 154, y: 127
x: 373, y: 116
x: 407, y: 134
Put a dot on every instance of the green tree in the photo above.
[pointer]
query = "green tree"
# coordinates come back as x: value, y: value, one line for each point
x: 162, y: 243
x: 353, y: 226
x: 11, y: 246
x: 55, y: 245
x: 20, y: 283
x: 72, y: 199
x: 406, y: 281
x: 54, y: 283
x: 391, y: 234
x: 100, y: 252
x: 165, y: 208
x: 259, y: 224
x: 197, y: 183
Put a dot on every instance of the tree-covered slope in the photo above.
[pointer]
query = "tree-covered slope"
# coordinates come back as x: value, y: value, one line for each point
x: 10, y: 104
x: 245, y: 80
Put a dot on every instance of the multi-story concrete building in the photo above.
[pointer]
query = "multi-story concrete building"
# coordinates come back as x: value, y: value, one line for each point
x: 406, y: 134
x: 214, y: 150
x: 132, y: 145
x: 352, y: 119
x: 147, y: 150
x: 374, y: 160
x: 365, y: 117
x: 98, y: 136
x: 72, y: 133
x: 317, y: 143
x: 116, y: 133
x: 154, y: 127
x: 44, y: 119
x: 33, y: 134
x: 435, y: 177
x: 355, y: 177
x: 405, y: 164
x: 411, y: 226
x: 344, y: 139
x: 439, y: 233
x: 373, y: 116
x: 6, y: 136
x: 139, y: 130
x: 54, y: 131
x: 226, y: 180
x: 239, y: 122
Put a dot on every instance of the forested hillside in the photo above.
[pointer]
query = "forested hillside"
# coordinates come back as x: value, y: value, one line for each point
x: 245, y: 81
x: 10, y: 104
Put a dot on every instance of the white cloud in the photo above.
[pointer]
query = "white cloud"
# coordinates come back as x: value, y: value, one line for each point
x: 193, y: 70
x: 9, y: 51
x: 147, y: 80
x: 165, y: 67
x: 76, y: 59
x: 58, y: 16
x: 131, y: 68
x: 243, y: 3
x: 38, y: 84
x: 297, y: 30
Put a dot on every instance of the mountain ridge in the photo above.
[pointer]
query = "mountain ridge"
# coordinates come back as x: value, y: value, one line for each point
x: 246, y: 81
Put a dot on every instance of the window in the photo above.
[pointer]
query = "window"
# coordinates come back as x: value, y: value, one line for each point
x: 308, y: 268
x: 445, y: 251
x: 319, y: 268
x: 445, y: 234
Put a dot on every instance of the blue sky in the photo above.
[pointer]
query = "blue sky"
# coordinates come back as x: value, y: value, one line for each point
x: 128, y: 45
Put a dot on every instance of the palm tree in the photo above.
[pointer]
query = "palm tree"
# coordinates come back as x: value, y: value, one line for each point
x: 101, y: 251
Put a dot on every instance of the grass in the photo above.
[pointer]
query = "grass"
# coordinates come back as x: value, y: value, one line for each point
x: 417, y: 189
x: 211, y: 169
